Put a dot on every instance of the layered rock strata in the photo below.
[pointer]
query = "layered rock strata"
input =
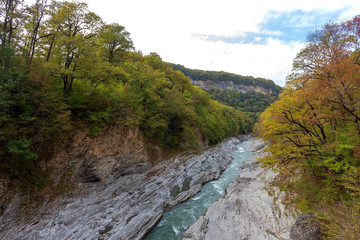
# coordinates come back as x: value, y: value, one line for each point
x: 123, y: 206
x: 230, y: 85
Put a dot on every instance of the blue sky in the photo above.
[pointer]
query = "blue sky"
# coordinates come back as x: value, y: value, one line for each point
x: 288, y: 27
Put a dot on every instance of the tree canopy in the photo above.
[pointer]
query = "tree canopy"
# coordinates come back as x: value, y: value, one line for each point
x: 251, y: 103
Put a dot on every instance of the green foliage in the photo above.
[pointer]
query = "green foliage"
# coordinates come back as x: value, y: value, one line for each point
x: 20, y: 158
x: 251, y: 103
x: 246, y: 102
x: 114, y: 40
x: 342, y: 222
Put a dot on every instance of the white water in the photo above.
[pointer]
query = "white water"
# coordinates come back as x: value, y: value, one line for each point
x: 175, y: 221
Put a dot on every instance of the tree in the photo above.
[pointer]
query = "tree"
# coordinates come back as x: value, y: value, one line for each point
x: 114, y: 39
x: 73, y: 27
x: 11, y: 13
x: 34, y: 20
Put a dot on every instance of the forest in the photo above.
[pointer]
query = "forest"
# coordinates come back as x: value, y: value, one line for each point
x: 314, y: 130
x: 63, y: 68
x: 251, y: 103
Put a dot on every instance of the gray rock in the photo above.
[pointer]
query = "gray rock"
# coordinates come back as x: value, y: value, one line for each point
x: 124, y: 206
x: 198, y: 230
x: 251, y: 208
x: 4, y: 182
x: 305, y: 228
x: 118, y: 150
x: 230, y: 85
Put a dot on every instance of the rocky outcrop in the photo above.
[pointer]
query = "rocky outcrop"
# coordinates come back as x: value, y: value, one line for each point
x: 78, y: 160
x: 252, y: 209
x: 117, y: 150
x: 124, y: 206
x: 230, y: 85
x: 305, y: 228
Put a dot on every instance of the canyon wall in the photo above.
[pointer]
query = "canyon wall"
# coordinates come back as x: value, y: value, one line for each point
x: 230, y: 85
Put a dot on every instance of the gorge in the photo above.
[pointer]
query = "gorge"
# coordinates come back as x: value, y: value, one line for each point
x: 127, y: 207
x: 99, y: 140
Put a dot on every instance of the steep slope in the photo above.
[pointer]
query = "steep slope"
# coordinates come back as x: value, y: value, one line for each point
x: 314, y: 129
x: 80, y: 104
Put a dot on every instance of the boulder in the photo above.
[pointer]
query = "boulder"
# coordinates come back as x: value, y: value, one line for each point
x: 305, y: 228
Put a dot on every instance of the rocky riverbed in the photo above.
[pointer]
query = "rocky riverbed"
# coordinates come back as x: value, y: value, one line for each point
x: 252, y: 209
x: 122, y: 207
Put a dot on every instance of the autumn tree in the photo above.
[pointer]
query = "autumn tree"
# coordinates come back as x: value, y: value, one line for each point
x: 315, y: 124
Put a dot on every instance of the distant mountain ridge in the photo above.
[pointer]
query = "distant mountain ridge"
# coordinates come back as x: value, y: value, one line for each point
x: 228, y: 81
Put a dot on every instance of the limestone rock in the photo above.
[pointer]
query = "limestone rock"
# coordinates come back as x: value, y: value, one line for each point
x: 230, y: 85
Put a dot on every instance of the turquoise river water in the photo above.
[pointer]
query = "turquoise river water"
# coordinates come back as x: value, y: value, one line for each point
x: 174, y: 222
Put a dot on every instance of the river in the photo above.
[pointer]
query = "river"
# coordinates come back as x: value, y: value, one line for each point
x: 175, y: 221
x: 128, y: 206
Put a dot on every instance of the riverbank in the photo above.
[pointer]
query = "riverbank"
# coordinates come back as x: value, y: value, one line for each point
x: 178, y: 219
x: 252, y: 209
x: 124, y: 207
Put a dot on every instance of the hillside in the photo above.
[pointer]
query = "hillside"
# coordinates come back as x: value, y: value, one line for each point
x: 228, y: 81
x: 247, y: 94
x: 314, y: 130
x: 66, y: 75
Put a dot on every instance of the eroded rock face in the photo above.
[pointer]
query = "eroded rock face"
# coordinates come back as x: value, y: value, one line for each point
x: 251, y: 208
x: 124, y: 206
x: 230, y: 85
x: 305, y: 228
x: 118, y: 150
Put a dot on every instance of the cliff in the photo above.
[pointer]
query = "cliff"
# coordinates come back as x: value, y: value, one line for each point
x: 230, y: 85
x: 118, y: 150
x: 81, y: 160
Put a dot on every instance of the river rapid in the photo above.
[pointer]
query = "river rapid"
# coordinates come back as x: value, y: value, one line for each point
x: 175, y: 221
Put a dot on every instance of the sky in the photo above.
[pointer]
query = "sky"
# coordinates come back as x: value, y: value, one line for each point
x: 258, y: 38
